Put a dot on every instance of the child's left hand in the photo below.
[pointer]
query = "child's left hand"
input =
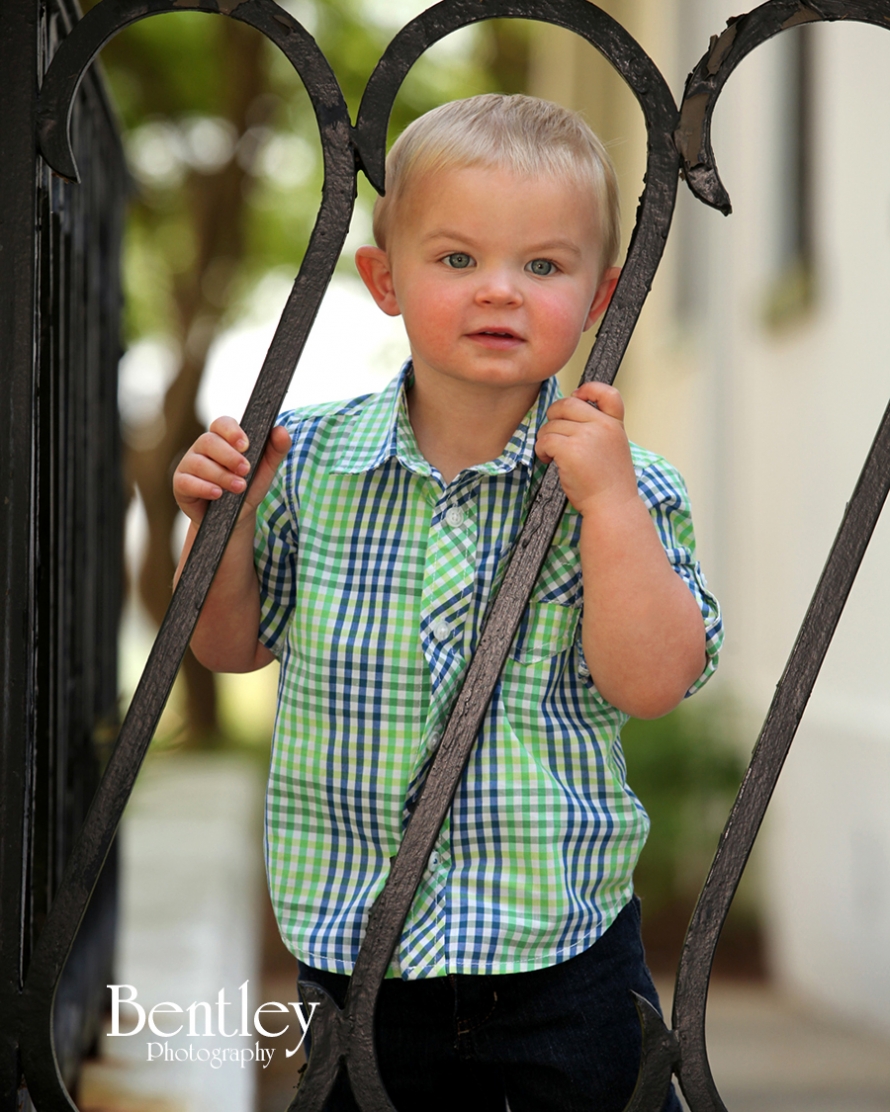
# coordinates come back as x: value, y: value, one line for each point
x: 590, y: 447
x: 642, y: 630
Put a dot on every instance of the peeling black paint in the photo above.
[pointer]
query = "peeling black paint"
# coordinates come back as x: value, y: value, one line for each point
x: 720, y: 47
x: 805, y: 15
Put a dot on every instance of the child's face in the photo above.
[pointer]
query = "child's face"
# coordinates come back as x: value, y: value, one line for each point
x: 495, y: 275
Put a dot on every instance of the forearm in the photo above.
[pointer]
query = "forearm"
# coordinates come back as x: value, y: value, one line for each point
x: 226, y: 638
x: 643, y: 633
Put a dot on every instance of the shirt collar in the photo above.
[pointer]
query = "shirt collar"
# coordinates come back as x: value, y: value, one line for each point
x: 383, y: 431
x: 373, y: 438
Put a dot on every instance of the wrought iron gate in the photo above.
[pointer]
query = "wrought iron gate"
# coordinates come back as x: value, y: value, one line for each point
x: 678, y: 140
x: 61, y: 514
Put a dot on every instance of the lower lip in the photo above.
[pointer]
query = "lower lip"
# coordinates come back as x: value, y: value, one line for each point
x: 496, y: 343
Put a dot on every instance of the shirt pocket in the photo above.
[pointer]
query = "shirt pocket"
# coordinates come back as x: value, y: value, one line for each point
x: 547, y: 628
x: 559, y: 580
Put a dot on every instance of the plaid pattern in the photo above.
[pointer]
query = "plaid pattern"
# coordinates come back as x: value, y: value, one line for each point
x: 374, y: 581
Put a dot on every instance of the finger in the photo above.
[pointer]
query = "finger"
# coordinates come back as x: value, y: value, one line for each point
x: 606, y: 398
x: 562, y: 427
x: 229, y: 429
x: 279, y: 443
x: 541, y: 452
x: 578, y: 411
x: 212, y: 446
x: 201, y: 467
x: 191, y: 489
x: 570, y: 409
x: 277, y: 447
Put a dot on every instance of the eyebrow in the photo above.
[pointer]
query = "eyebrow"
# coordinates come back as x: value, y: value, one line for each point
x: 557, y: 245
x: 549, y: 245
x: 448, y: 233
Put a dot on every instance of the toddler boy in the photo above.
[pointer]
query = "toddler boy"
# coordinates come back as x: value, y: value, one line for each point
x: 365, y: 565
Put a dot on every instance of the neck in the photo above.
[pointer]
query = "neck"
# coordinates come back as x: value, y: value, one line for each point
x: 457, y: 425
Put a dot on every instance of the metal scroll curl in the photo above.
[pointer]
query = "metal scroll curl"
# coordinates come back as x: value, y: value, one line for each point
x: 349, y: 1038
x: 332, y: 224
x: 343, y: 1039
x: 703, y: 88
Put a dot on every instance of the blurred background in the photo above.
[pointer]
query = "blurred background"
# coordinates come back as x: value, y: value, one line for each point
x: 759, y: 367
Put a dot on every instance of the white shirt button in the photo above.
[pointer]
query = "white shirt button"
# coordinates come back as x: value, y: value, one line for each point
x: 454, y: 515
x: 441, y: 631
x: 434, y: 742
x: 433, y: 861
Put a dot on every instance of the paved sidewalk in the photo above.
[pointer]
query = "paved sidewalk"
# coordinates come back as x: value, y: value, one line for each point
x: 772, y: 1053
x: 189, y: 928
x: 192, y: 902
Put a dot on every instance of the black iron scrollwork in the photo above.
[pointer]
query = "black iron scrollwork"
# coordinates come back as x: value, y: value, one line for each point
x: 344, y: 1039
x: 703, y: 87
x: 332, y: 224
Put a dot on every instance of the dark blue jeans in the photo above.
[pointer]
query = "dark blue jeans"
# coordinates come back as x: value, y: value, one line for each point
x: 561, y: 1039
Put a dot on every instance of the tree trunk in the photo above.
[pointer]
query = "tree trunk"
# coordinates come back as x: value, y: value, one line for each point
x: 216, y: 201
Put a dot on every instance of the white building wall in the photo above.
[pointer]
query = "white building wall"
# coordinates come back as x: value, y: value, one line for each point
x: 828, y: 880
x: 771, y: 428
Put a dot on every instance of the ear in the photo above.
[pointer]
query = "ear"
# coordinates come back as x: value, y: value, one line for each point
x: 372, y: 264
x: 603, y: 295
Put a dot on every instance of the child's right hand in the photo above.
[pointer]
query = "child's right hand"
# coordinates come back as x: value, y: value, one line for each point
x: 215, y: 462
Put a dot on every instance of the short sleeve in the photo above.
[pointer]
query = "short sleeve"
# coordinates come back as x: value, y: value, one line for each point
x: 663, y: 491
x: 275, y: 559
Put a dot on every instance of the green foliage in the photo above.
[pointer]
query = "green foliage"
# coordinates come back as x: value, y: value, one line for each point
x: 225, y: 158
x: 686, y: 774
x: 176, y: 81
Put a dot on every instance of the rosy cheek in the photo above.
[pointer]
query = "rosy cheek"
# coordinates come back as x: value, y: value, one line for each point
x: 563, y: 314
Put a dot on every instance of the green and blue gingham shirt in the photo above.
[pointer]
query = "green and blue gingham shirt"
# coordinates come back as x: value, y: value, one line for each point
x: 374, y: 579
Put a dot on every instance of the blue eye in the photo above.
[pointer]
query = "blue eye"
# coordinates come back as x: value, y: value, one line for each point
x: 541, y: 267
x: 457, y: 260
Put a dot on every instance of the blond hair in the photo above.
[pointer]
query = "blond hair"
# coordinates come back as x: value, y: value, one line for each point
x: 526, y: 135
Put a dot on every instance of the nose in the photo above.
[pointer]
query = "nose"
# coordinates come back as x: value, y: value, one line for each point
x: 498, y: 286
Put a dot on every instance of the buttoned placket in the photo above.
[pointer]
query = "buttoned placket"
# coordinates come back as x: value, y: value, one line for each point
x: 448, y: 590
x: 447, y: 628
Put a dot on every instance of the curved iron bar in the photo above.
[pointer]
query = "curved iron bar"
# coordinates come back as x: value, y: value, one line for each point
x: 742, y: 35
x: 332, y: 224
x: 347, y: 1036
x: 658, y: 1059
x: 789, y: 702
x: 796, y: 684
x: 655, y: 215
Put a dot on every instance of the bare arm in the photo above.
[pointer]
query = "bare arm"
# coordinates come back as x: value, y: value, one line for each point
x: 226, y: 638
x: 643, y: 633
